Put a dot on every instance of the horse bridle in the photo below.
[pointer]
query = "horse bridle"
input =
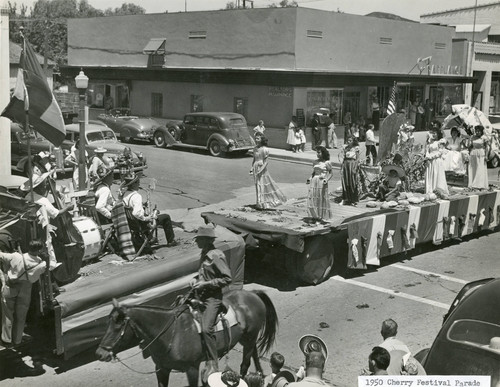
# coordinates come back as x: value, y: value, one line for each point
x: 135, y: 329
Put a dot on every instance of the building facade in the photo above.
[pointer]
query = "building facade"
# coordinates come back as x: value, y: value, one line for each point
x: 476, y: 47
x: 266, y: 64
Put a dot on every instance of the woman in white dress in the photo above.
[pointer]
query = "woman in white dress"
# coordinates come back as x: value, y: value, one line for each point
x: 453, y: 159
x: 435, y: 177
x: 479, y: 148
x: 291, y: 138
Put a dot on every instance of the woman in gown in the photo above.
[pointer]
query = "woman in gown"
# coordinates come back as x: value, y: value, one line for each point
x: 267, y: 192
x: 318, y: 204
x: 350, y: 192
x: 435, y: 177
x: 453, y: 159
x: 479, y: 148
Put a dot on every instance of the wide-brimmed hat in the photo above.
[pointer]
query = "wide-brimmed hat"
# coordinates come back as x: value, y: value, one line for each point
x: 103, y: 173
x: 37, y: 180
x: 129, y: 179
x: 207, y: 230
x: 313, y: 343
x: 100, y: 150
x: 391, y: 167
x: 283, y: 378
x: 218, y: 379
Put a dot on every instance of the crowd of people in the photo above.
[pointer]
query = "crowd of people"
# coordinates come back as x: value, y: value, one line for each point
x: 391, y: 357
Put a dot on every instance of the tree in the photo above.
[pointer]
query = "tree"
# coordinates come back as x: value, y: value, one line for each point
x: 126, y: 9
x: 16, y: 21
x: 284, y: 4
x: 231, y: 5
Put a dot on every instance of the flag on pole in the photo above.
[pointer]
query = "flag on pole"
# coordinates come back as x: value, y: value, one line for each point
x: 32, y: 94
x: 391, y: 107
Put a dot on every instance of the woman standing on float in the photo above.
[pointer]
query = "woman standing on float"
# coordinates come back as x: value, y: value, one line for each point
x: 479, y: 148
x: 435, y: 177
x: 318, y: 205
x: 267, y: 192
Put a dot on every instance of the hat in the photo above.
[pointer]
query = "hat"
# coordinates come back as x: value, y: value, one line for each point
x: 102, y: 173
x: 226, y: 379
x: 283, y: 378
x: 206, y: 231
x: 100, y: 150
x: 37, y: 180
x: 313, y: 343
x: 391, y: 167
x: 129, y: 179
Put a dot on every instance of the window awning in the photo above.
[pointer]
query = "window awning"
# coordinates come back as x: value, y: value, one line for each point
x: 155, y: 46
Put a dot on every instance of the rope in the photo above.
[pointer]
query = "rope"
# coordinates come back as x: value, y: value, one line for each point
x: 134, y: 370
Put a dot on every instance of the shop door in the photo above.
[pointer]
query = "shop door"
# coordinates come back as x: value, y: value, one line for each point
x: 351, y: 104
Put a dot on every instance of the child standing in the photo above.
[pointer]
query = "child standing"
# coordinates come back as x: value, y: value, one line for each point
x: 276, y: 362
x: 300, y: 139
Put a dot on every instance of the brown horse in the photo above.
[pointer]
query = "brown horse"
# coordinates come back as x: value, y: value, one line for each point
x: 171, y: 338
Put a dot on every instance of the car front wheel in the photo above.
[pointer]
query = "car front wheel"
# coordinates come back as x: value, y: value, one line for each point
x: 215, y: 148
x: 159, y: 139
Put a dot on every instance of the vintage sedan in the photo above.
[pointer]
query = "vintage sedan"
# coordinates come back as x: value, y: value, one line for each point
x: 469, y: 340
x: 219, y: 133
x: 129, y: 127
x: 38, y: 143
x: 98, y: 135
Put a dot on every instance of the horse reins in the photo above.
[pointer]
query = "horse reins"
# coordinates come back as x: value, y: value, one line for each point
x: 122, y: 332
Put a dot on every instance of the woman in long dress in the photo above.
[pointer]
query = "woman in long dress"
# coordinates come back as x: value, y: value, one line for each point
x: 291, y: 138
x: 479, y: 148
x: 350, y: 192
x: 318, y: 204
x: 435, y: 177
x: 267, y: 192
x: 453, y: 159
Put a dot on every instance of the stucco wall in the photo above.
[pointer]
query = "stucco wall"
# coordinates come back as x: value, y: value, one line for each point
x: 352, y: 43
x: 274, y: 110
x: 261, y: 38
x: 485, y: 14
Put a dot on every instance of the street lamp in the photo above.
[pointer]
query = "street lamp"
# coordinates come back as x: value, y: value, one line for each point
x: 82, y: 82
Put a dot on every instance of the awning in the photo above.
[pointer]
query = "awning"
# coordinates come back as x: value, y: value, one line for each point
x: 155, y: 46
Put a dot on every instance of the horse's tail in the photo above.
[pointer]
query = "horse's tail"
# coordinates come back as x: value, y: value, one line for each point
x: 267, y: 334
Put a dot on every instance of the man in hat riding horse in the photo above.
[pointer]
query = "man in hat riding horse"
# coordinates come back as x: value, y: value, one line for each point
x: 213, y: 275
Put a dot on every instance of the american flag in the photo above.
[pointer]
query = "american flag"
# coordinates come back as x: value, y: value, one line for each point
x: 391, y: 107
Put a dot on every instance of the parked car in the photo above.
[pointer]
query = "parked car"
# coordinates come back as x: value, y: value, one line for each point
x: 129, y: 127
x: 469, y: 340
x: 99, y: 135
x: 19, y: 149
x: 219, y: 133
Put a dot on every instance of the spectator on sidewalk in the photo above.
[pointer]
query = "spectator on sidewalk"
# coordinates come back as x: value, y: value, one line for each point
x: 291, y: 138
x: 300, y: 139
x: 371, y: 146
x: 315, y: 365
x: 276, y: 362
x: 375, y: 114
x: 332, y: 136
x: 316, y: 133
x: 259, y: 128
x: 378, y: 361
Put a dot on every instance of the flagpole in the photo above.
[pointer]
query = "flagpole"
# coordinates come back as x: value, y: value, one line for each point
x: 27, y: 123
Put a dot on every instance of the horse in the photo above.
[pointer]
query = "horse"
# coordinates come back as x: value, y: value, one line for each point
x: 170, y: 337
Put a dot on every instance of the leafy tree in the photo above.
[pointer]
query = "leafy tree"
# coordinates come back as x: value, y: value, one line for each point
x: 126, y: 9
x: 284, y: 4
x: 231, y: 5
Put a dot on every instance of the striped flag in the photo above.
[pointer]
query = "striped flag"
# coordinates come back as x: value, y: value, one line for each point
x: 32, y: 94
x: 391, y: 107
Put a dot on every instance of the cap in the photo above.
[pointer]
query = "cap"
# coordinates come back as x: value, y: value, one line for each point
x: 206, y: 231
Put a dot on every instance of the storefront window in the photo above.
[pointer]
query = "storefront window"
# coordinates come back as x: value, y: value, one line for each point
x: 495, y: 94
x: 326, y: 100
x: 444, y: 96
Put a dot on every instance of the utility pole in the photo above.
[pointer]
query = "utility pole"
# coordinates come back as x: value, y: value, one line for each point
x: 4, y: 91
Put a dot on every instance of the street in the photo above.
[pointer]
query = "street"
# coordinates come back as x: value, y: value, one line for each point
x: 415, y: 290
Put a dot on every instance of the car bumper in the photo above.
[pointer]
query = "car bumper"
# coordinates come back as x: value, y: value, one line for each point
x: 239, y: 148
x: 144, y: 136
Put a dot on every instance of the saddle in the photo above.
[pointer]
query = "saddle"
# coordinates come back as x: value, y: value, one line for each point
x: 225, y: 319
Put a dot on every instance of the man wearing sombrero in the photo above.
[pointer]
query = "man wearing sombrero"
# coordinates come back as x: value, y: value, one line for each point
x: 213, y: 275
x: 104, y: 200
x: 99, y: 160
x: 133, y: 199
x: 316, y: 352
x: 392, y: 185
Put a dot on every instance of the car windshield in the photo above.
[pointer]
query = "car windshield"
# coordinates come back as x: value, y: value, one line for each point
x: 474, y: 333
x: 95, y: 136
x: 108, y: 135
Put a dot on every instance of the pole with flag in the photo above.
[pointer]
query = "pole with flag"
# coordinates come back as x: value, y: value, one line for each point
x: 33, y: 103
x: 391, y: 106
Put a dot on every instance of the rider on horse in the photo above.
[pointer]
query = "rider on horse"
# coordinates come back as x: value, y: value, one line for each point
x: 213, y: 275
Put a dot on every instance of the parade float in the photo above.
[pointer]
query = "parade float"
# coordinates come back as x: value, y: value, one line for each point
x: 360, y: 236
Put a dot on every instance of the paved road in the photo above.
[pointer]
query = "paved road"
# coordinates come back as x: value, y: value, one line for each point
x: 414, y: 290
